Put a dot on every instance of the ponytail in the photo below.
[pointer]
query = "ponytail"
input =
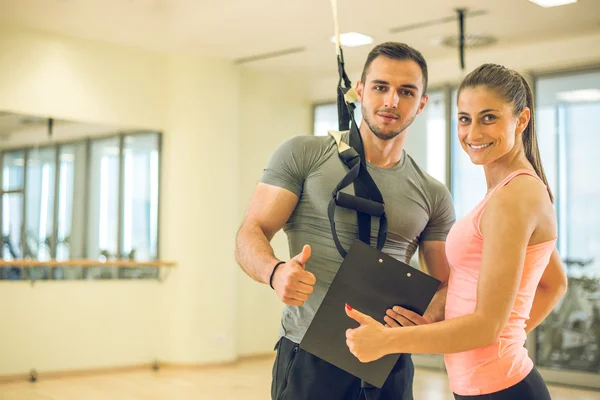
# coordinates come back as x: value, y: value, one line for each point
x: 530, y: 142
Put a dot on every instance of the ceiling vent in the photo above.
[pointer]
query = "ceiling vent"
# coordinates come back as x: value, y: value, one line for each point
x: 472, y: 41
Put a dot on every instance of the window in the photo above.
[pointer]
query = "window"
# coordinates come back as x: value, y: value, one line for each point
x: 95, y: 199
x: 103, y: 205
x: 71, y: 220
x: 13, y: 173
x: 140, y: 201
x: 39, y: 208
x: 567, y: 107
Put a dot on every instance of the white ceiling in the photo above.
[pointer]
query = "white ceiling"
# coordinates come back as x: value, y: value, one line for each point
x: 236, y: 29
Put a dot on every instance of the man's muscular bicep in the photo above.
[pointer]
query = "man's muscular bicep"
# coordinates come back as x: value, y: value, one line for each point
x: 270, y: 207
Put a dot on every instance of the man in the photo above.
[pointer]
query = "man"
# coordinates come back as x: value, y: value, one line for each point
x: 293, y: 194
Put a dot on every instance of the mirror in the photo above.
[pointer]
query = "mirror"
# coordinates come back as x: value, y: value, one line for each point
x: 79, y: 191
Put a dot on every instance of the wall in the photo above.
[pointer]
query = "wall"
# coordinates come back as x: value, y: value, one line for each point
x: 67, y: 325
x: 273, y: 108
x: 219, y: 126
x: 73, y: 325
x: 199, y: 202
x: 44, y: 75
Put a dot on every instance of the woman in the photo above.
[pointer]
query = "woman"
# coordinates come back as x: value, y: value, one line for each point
x: 502, y: 255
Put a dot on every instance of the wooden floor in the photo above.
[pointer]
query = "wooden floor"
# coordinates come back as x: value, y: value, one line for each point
x: 248, y: 380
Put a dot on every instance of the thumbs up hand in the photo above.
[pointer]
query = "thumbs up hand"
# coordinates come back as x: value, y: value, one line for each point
x: 292, y: 283
x: 367, y: 341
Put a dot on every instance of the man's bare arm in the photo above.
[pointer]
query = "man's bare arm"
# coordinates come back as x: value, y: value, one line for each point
x: 269, y: 208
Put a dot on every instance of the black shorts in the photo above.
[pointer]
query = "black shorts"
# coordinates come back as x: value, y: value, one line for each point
x: 298, y: 375
x: 530, y: 388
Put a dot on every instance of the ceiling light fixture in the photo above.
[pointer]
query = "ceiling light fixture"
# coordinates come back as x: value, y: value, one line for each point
x: 552, y: 3
x: 353, y: 39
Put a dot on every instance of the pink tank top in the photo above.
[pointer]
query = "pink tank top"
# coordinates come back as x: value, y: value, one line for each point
x: 506, y: 362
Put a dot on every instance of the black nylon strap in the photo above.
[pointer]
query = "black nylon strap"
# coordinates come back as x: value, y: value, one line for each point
x: 345, y: 110
x: 368, y: 186
x: 354, y: 159
x: 364, y: 220
x: 364, y: 188
x: 346, y: 180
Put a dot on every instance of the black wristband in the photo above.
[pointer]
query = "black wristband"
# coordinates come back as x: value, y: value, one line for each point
x: 273, y: 273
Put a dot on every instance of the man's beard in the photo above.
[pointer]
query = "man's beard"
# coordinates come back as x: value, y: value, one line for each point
x: 380, y: 133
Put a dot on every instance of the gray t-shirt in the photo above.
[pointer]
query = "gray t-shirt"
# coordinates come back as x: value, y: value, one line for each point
x: 418, y: 208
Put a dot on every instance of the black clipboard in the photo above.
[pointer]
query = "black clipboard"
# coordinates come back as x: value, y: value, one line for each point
x: 371, y: 282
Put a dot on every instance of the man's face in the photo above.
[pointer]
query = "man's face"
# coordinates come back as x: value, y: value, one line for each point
x: 392, y: 96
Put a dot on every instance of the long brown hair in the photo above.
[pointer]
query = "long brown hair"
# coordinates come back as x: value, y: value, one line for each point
x: 511, y: 86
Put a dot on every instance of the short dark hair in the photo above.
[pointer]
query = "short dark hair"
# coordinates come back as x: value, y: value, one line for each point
x: 396, y: 51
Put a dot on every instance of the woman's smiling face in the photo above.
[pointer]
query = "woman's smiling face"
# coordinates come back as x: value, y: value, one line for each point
x: 487, y: 124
